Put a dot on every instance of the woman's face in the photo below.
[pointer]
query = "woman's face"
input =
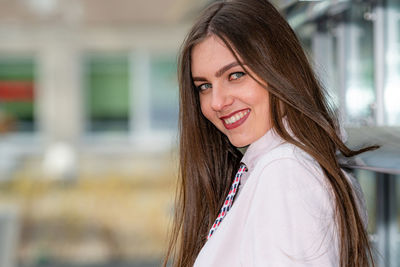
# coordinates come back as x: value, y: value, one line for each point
x: 234, y: 102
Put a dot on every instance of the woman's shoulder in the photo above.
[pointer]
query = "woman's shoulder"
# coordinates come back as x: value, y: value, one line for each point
x: 289, y: 166
x: 287, y: 154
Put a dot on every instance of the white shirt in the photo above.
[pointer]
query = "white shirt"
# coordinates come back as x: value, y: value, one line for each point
x: 283, y: 214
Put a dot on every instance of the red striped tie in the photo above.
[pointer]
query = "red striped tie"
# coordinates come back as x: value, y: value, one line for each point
x: 229, y: 200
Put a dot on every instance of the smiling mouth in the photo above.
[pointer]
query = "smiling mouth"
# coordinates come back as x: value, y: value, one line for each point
x: 235, y: 119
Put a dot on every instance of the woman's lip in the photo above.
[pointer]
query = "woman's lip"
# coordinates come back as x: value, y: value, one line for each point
x: 233, y: 113
x: 236, y: 123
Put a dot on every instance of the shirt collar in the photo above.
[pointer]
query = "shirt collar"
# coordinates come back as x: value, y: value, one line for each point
x: 259, y: 147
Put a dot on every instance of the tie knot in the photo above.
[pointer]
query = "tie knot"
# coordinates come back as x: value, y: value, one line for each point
x: 243, y: 167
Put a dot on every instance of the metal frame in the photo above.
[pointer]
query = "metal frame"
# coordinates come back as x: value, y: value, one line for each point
x: 379, y: 62
x: 386, y: 221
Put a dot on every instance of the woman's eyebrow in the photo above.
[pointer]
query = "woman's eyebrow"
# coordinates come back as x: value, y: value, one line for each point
x: 225, y: 68
x: 219, y: 72
x: 199, y: 79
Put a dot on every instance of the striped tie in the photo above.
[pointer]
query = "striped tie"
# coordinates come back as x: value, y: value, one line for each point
x: 229, y: 200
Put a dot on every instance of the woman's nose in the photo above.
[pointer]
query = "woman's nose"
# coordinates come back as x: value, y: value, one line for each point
x: 221, y: 98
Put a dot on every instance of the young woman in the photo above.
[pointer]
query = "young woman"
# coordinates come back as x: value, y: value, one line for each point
x: 245, y: 82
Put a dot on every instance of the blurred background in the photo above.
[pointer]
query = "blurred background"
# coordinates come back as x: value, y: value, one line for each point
x: 88, y: 121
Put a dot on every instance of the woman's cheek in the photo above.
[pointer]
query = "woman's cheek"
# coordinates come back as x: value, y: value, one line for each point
x: 205, y: 109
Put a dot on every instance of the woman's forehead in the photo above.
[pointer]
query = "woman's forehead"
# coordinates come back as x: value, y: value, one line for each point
x: 210, y: 53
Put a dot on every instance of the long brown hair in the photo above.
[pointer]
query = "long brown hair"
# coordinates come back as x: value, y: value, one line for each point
x: 256, y: 33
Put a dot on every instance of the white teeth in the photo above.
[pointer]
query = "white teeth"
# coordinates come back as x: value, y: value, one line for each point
x: 236, y: 117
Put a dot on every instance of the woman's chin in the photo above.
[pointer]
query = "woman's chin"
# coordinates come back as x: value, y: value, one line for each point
x: 238, y: 143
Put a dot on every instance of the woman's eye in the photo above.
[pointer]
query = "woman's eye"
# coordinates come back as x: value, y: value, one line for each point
x: 203, y: 86
x: 236, y: 75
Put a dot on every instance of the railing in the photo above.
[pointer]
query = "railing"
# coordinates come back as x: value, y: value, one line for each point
x: 385, y: 164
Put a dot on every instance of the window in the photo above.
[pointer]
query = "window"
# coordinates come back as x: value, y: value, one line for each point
x: 164, y: 92
x: 359, y: 80
x: 17, y: 94
x: 367, y: 180
x: 107, y: 82
x: 392, y: 58
x: 132, y: 93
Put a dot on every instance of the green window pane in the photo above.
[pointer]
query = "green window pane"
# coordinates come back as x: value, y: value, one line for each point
x: 17, y: 94
x: 108, y: 92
